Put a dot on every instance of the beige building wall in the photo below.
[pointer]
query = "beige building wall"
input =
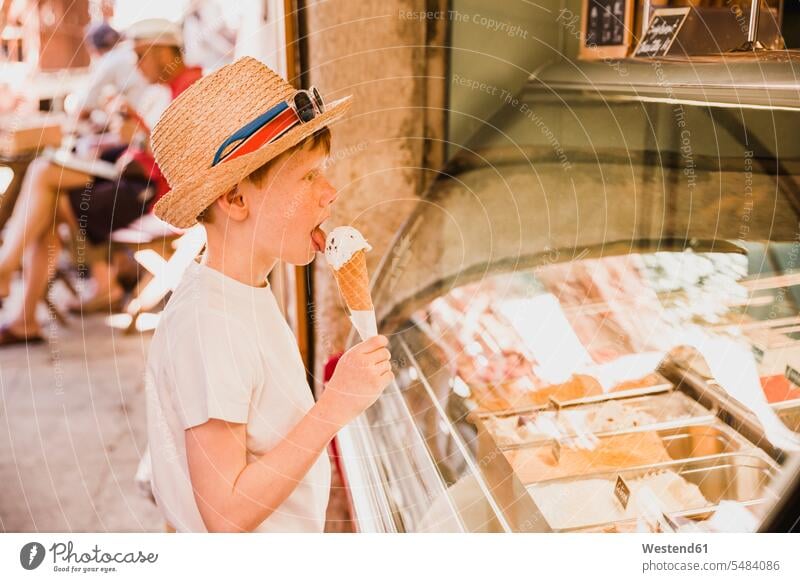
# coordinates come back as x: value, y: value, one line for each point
x: 385, y: 150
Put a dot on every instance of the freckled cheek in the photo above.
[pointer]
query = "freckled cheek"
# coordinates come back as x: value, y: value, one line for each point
x: 299, y: 225
x: 310, y: 212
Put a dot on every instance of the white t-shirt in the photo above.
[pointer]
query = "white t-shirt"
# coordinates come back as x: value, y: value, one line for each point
x: 223, y: 350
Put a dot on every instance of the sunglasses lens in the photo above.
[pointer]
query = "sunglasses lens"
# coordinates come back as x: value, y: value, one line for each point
x: 318, y: 99
x: 305, y: 109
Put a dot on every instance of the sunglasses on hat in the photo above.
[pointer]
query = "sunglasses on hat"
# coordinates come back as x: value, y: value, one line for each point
x: 301, y: 107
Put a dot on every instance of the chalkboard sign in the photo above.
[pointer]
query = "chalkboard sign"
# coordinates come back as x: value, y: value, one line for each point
x: 606, y: 30
x: 664, y: 27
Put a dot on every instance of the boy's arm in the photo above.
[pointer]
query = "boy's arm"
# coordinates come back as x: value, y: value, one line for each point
x: 233, y: 495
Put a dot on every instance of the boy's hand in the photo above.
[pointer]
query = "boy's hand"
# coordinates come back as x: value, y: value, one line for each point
x: 361, y: 375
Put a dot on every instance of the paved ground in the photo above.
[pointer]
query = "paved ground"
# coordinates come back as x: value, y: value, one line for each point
x: 72, y: 428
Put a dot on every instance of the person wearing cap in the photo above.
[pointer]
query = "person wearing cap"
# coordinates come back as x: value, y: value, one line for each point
x: 237, y: 442
x: 95, y: 206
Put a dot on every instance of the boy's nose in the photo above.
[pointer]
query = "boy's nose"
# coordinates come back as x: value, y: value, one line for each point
x: 329, y: 194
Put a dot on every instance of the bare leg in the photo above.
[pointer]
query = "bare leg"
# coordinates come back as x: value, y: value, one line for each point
x: 34, y: 212
x: 106, y: 276
x: 41, y: 261
x: 40, y: 264
x: 107, y: 292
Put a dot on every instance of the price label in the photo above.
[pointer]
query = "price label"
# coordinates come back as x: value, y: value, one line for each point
x: 792, y: 375
x: 556, y: 450
x: 622, y: 492
x: 666, y: 524
x: 525, y: 419
x: 554, y: 404
x: 661, y: 32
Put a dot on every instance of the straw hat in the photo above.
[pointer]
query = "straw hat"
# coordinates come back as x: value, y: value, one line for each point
x: 193, y: 127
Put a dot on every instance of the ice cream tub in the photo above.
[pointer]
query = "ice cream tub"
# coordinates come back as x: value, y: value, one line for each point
x: 615, y: 415
x: 621, y: 450
x: 692, y: 487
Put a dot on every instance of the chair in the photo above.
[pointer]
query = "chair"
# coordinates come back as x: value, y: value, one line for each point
x: 164, y: 252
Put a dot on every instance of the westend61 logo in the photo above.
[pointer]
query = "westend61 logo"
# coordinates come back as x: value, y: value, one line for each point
x: 66, y: 559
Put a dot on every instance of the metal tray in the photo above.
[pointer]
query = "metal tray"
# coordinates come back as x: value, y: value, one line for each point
x: 667, y: 408
x: 757, y: 508
x: 597, y: 398
x: 727, y: 408
x: 533, y: 464
x: 743, y: 478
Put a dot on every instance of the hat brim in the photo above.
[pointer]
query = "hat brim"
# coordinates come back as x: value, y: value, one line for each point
x: 183, y: 204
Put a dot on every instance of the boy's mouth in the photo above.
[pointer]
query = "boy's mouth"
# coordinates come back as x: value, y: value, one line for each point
x: 318, y: 237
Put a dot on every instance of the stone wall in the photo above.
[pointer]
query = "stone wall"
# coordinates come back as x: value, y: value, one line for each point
x: 385, y: 150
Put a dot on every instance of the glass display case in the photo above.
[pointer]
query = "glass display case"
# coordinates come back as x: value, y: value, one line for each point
x: 594, y: 323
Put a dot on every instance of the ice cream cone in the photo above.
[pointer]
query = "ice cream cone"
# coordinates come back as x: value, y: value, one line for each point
x: 353, y: 281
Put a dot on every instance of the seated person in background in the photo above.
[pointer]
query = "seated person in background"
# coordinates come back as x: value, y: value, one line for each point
x: 113, y: 65
x: 96, y: 206
x: 115, y: 90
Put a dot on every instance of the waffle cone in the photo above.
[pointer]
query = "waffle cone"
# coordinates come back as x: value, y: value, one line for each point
x: 353, y: 281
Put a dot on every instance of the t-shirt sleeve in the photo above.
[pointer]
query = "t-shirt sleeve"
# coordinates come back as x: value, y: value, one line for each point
x: 212, y: 370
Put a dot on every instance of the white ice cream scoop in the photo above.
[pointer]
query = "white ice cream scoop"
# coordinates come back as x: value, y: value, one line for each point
x: 345, y: 250
x: 342, y: 243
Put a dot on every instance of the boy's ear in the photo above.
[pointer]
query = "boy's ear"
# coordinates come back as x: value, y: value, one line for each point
x: 234, y: 204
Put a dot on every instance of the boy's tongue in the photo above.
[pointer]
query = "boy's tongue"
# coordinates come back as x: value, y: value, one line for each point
x: 318, y: 237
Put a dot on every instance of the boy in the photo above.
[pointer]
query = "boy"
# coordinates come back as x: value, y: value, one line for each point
x: 237, y: 442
